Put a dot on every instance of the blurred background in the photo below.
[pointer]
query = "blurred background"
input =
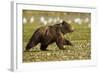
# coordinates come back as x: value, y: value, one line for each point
x: 50, y: 18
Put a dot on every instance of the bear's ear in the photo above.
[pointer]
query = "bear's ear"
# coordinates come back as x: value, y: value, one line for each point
x: 63, y: 22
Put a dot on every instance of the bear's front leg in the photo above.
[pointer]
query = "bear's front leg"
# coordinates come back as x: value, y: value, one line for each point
x: 60, y: 46
x: 67, y: 42
x: 59, y: 43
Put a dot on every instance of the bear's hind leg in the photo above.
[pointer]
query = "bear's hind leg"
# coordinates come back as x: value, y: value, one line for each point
x: 43, y: 47
x: 30, y: 45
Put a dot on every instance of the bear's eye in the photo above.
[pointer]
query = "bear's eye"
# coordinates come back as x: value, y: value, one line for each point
x: 60, y: 25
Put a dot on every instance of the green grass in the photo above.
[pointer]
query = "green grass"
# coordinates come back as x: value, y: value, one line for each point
x: 80, y: 51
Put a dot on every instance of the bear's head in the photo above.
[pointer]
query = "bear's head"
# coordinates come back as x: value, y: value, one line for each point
x: 66, y: 27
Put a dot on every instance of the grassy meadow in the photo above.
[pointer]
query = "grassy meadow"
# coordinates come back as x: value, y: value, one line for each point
x: 81, y: 39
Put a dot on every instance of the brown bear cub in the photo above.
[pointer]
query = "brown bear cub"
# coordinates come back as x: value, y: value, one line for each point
x: 50, y: 34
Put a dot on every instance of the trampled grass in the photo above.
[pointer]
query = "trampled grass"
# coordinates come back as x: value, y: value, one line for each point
x: 81, y: 39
